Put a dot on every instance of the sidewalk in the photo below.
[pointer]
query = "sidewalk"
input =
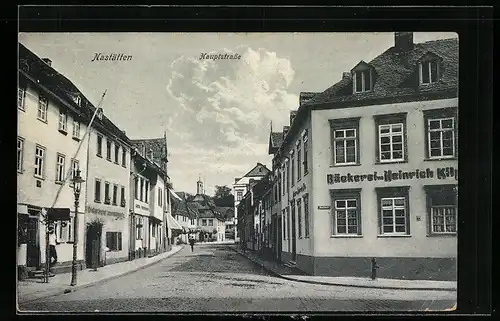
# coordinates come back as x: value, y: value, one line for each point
x: 279, y: 270
x: 34, y: 289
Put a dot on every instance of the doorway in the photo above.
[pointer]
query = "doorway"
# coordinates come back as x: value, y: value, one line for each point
x: 93, y: 245
x: 33, y: 243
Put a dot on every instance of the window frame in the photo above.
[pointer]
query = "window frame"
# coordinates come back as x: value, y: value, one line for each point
x: 436, y: 191
x: 117, y: 240
x: 97, y: 182
x: 107, y: 191
x: 124, y: 157
x: 63, y: 121
x: 117, y: 153
x: 60, y: 168
x: 210, y: 222
x: 345, y: 195
x: 345, y: 124
x: 20, y: 154
x: 292, y: 167
x: 99, y: 141
x: 284, y: 224
x: 298, y: 204
x: 299, y: 160
x: 42, y: 159
x: 42, y: 113
x: 21, y: 98
x: 429, y: 67
x: 307, y: 226
x: 362, y: 72
x: 114, y: 200
x: 76, y: 133
x: 109, y: 147
x: 385, y: 120
x: 435, y: 114
x: 67, y: 230
x: 204, y: 222
x: 394, y: 193
x: 305, y: 148
x: 123, y: 199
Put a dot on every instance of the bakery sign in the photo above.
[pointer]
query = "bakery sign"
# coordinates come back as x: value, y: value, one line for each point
x: 98, y: 211
x: 390, y: 175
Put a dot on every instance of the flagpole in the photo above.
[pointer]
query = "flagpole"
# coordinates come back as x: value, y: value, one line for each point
x: 47, y: 253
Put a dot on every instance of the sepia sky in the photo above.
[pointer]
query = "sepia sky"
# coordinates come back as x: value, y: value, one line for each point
x: 217, y: 114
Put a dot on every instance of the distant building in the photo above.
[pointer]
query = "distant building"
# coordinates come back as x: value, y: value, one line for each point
x: 379, y: 178
x: 241, y: 186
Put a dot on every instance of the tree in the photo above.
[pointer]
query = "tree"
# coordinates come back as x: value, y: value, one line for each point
x: 223, y: 196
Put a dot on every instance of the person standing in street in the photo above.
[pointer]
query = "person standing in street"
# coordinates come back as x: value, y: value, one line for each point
x: 191, y: 243
x: 52, y: 248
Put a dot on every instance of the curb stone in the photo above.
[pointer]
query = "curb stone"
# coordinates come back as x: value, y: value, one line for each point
x: 55, y: 292
x: 341, y: 284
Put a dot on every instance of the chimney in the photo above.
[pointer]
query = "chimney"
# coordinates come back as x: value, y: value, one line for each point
x: 285, y: 130
x: 124, y: 132
x: 293, y: 113
x: 346, y: 75
x: 403, y: 41
x: 47, y: 61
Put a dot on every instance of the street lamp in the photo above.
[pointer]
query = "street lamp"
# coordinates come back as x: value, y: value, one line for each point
x: 77, y: 187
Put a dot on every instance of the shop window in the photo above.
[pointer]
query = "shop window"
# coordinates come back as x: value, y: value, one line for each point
x: 114, y: 241
x: 345, y: 141
x: 442, y: 209
x: 391, y: 138
x: 441, y: 133
x: 393, y: 209
x: 346, y: 212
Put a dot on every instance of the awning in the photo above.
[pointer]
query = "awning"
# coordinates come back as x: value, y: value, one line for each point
x: 172, y: 223
x: 175, y: 195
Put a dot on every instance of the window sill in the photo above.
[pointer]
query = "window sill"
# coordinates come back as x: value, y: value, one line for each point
x: 20, y: 171
x: 108, y: 159
x: 59, y: 182
x: 97, y: 201
x: 42, y: 120
x: 76, y: 138
x: 99, y: 155
x: 434, y: 159
x: 449, y: 234
x: 345, y: 165
x: 116, y: 162
x: 391, y: 162
x: 124, y: 166
x: 347, y: 236
x: 393, y: 235
x: 62, y: 131
x: 21, y: 108
x: 39, y: 177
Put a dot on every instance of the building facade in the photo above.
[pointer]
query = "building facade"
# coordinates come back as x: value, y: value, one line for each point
x: 241, y: 185
x: 148, y: 224
x: 108, y: 194
x: 51, y: 123
x: 382, y: 173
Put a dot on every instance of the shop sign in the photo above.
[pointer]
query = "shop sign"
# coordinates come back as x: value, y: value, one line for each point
x: 389, y: 175
x: 299, y: 190
x: 324, y: 207
x: 98, y: 211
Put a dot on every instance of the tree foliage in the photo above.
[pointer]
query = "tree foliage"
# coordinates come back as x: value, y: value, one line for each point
x: 223, y: 196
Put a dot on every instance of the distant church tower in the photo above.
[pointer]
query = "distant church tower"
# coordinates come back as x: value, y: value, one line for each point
x: 199, y: 187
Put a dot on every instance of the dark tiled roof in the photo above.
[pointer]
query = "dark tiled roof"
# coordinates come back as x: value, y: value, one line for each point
x: 157, y: 145
x: 258, y: 170
x: 62, y: 87
x: 275, y: 140
x: 396, y: 74
x: 306, y: 96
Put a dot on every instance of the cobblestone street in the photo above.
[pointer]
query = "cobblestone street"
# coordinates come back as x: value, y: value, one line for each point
x: 214, y: 278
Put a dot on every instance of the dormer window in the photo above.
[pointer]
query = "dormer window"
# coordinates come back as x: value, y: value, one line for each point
x: 362, y: 77
x: 429, y: 69
x: 78, y: 100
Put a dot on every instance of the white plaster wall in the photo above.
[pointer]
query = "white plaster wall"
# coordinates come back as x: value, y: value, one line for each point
x: 419, y: 244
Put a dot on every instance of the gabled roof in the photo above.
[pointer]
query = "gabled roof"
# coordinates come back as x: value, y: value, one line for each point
x: 259, y: 170
x: 36, y: 70
x: 157, y: 145
x: 275, y: 140
x: 397, y: 74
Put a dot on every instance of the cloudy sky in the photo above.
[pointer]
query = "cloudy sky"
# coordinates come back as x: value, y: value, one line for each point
x: 217, y: 114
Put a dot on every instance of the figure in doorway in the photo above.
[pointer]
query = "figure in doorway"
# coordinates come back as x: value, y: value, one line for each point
x: 191, y: 243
